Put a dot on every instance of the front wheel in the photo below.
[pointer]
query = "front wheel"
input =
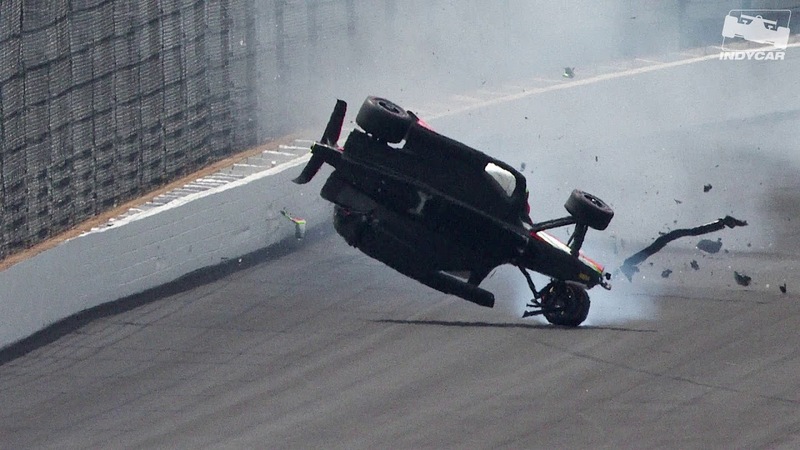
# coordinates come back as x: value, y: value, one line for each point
x: 589, y: 210
x: 384, y: 119
x: 565, y: 304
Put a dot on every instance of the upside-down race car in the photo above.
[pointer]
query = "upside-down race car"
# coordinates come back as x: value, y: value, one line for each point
x: 446, y: 214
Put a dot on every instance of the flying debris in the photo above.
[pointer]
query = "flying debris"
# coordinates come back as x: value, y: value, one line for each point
x: 299, y: 224
x: 741, y: 279
x: 569, y: 72
x: 630, y: 265
x: 709, y: 246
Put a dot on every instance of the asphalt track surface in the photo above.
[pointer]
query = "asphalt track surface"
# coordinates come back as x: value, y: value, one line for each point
x: 310, y: 344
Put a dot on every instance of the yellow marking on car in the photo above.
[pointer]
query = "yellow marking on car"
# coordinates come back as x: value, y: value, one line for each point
x: 552, y: 240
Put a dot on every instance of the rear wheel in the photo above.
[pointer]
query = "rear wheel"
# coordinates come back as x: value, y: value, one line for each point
x: 384, y: 119
x: 565, y: 304
x: 589, y: 210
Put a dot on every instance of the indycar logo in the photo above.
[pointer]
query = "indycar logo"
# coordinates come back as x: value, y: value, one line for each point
x: 769, y: 27
x: 766, y: 27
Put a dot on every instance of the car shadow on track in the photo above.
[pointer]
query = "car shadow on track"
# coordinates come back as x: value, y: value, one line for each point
x: 529, y: 326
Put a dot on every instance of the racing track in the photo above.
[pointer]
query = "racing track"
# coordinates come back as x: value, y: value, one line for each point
x: 312, y: 345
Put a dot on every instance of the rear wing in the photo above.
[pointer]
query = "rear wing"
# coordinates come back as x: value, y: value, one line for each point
x: 325, y: 149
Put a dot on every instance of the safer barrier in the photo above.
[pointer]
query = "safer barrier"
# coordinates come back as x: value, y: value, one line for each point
x: 152, y: 248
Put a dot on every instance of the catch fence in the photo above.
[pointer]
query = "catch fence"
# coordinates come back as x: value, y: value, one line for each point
x: 103, y: 100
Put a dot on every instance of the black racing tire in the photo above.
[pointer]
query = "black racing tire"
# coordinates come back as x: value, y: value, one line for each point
x: 565, y: 304
x: 589, y: 210
x: 384, y: 119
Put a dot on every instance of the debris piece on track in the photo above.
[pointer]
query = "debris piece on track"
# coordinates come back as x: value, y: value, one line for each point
x: 782, y: 288
x: 666, y: 273
x: 709, y: 246
x: 299, y: 224
x: 694, y: 265
x: 741, y: 279
x: 707, y: 187
x: 569, y: 72
x: 629, y: 266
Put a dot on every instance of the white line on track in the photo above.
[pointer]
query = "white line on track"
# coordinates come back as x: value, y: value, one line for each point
x: 545, y: 80
x: 528, y: 92
x: 275, y: 152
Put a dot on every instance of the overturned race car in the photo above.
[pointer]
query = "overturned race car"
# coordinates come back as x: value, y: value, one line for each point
x: 446, y: 215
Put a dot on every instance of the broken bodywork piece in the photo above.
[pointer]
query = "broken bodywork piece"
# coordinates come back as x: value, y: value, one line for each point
x: 299, y: 224
x: 741, y: 279
x: 630, y: 265
x: 709, y: 246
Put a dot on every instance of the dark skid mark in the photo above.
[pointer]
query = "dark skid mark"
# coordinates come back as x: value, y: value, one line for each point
x: 529, y: 326
x: 630, y: 265
x: 762, y: 119
x: 200, y: 277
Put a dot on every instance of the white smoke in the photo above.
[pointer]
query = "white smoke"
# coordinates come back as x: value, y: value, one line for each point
x: 626, y: 302
x: 620, y: 306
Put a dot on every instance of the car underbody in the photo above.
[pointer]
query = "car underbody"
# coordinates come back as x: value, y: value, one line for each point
x: 446, y: 215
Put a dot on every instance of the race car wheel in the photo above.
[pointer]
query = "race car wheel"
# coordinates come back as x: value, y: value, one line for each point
x: 565, y: 304
x: 384, y: 120
x: 589, y: 210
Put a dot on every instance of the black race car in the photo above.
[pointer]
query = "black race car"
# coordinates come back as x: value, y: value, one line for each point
x: 446, y: 214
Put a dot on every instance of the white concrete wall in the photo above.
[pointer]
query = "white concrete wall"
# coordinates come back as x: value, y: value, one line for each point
x: 152, y: 248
